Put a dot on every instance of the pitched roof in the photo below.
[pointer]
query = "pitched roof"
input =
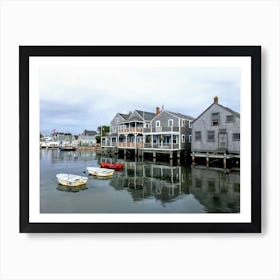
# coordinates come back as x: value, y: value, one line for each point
x: 89, y: 132
x: 226, y: 108
x: 182, y: 116
x: 125, y: 116
x: 147, y: 116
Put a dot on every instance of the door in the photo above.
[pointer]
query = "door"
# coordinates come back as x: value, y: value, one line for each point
x: 223, y: 141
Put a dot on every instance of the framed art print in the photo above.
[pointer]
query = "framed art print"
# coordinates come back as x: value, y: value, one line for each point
x: 140, y: 138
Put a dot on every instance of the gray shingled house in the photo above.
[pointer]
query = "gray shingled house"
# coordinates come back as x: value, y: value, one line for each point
x: 168, y: 132
x: 87, y: 138
x: 126, y: 130
x: 215, y: 132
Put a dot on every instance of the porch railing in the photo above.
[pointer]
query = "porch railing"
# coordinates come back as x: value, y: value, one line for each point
x: 161, y: 146
x: 131, y: 130
x: 162, y: 129
x: 130, y: 145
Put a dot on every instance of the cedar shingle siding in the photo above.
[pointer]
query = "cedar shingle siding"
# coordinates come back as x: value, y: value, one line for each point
x: 217, y: 129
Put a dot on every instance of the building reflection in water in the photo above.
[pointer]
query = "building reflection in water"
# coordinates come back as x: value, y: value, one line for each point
x: 149, y: 181
x: 216, y: 190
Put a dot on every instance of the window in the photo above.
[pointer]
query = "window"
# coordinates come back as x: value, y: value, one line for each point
x: 157, y: 123
x: 190, y: 138
x: 197, y: 135
x: 236, y: 137
x: 190, y: 124
x: 229, y: 118
x: 211, y: 136
x: 183, y: 122
x: 146, y: 125
x: 215, y: 118
x: 170, y: 122
x: 183, y: 138
x: 174, y: 139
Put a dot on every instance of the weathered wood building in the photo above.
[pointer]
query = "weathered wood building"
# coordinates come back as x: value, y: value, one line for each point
x: 216, y: 135
x: 168, y: 132
x: 140, y: 132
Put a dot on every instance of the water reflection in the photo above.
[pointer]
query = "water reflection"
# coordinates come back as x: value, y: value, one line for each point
x: 216, y: 190
x: 149, y: 180
x: 141, y: 187
x: 71, y: 189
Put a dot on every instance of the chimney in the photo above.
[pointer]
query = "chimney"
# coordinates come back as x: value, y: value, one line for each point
x: 216, y: 99
x: 157, y: 110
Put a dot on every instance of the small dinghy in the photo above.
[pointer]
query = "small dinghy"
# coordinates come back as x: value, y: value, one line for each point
x: 100, y: 172
x: 71, y: 180
x: 116, y: 166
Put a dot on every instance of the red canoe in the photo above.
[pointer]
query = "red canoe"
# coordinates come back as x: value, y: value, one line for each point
x: 111, y: 165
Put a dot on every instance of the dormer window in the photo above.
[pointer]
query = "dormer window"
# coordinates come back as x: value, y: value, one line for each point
x: 157, y: 123
x: 215, y: 118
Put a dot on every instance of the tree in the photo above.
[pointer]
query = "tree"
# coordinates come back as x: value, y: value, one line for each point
x: 98, y: 139
x: 105, y: 130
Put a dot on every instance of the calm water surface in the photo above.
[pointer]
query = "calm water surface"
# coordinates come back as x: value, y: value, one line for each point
x: 142, y: 187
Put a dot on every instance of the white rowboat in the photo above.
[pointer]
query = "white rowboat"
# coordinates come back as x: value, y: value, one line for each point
x: 71, y: 180
x: 100, y: 172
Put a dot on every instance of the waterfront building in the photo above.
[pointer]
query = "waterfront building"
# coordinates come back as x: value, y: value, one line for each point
x: 126, y: 130
x: 140, y: 132
x: 63, y: 139
x: 216, y: 135
x: 168, y: 132
x: 87, y: 138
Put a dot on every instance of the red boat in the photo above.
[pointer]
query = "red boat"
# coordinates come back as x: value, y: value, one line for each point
x: 116, y: 166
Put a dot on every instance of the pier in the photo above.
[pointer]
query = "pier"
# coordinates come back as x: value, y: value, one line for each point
x: 223, y: 160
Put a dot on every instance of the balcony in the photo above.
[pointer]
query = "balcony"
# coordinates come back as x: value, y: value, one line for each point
x: 131, y: 130
x: 130, y: 145
x: 161, y: 129
x: 162, y: 146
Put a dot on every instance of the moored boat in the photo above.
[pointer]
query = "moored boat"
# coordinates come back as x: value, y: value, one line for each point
x: 67, y: 148
x: 71, y: 180
x: 100, y: 172
x: 116, y: 166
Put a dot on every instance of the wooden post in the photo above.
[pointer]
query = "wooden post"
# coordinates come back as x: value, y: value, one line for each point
x: 207, y: 159
x: 193, y: 158
x: 225, y: 161
x: 171, y: 155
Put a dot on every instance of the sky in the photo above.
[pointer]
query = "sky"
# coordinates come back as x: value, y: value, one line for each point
x: 73, y: 99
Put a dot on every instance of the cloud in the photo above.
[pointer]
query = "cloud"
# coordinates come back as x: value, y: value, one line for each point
x: 77, y: 98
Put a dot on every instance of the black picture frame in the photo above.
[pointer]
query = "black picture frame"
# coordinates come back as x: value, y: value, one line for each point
x: 25, y: 52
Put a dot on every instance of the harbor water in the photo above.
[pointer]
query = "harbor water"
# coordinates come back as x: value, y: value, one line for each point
x: 141, y: 187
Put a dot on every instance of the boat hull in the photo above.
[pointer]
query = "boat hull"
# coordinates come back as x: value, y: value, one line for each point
x: 115, y: 166
x: 67, y: 148
x: 100, y: 172
x: 71, y: 180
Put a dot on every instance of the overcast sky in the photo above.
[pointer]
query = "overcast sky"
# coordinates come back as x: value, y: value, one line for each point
x: 76, y: 98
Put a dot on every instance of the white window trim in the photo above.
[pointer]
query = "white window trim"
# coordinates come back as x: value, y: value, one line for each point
x: 190, y: 124
x: 183, y: 122
x: 157, y: 123
x: 171, y: 123
x: 183, y: 138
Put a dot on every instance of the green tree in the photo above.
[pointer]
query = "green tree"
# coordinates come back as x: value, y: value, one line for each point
x: 98, y: 139
x: 105, y: 130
